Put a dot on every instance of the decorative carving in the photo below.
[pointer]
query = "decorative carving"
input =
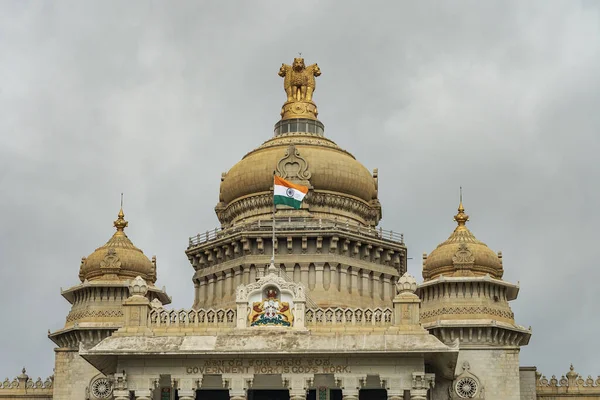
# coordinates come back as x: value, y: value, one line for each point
x: 111, y: 260
x: 109, y: 313
x: 101, y: 388
x: 406, y: 283
x: 293, y: 166
x: 138, y: 287
x: 271, y: 311
x: 299, y: 80
x: 463, y: 255
x: 467, y: 310
x: 363, y: 211
x: 466, y: 385
x: 571, y: 383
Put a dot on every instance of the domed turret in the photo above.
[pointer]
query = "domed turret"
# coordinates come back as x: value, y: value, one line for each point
x: 118, y: 259
x: 462, y: 254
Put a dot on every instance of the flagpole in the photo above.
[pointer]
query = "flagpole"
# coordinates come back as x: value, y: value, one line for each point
x: 273, y: 239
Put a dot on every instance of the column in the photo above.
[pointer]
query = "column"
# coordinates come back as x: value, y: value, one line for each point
x: 421, y: 382
x: 120, y: 391
x: 219, y: 288
x: 319, y: 276
x: 344, y: 286
x: 297, y: 389
x: 228, y: 284
x: 393, y: 385
x: 354, y: 280
x: 335, y: 277
x: 201, y: 292
x: 121, y: 394
x: 350, y: 387
x: 210, y: 292
x: 237, y: 389
x: 366, y: 283
x: 186, y: 389
x: 143, y: 394
x: 304, y: 274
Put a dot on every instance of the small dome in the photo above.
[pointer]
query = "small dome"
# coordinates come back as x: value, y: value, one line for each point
x: 118, y: 259
x: 462, y: 255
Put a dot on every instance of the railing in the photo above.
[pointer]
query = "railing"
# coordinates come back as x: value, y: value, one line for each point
x: 348, y: 316
x: 201, y: 318
x: 295, y: 224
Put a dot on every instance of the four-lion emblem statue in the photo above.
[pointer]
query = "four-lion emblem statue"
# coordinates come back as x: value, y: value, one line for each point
x: 299, y: 80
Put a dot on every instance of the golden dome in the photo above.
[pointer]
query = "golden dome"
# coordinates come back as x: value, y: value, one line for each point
x: 462, y: 254
x: 118, y: 259
x: 331, y: 168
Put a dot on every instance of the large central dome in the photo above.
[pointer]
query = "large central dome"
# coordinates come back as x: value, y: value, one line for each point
x: 340, y: 187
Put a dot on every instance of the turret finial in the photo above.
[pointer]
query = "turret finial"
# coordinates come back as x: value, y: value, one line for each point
x: 461, y: 218
x: 120, y: 222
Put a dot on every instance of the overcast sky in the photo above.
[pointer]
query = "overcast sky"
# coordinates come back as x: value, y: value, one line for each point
x: 156, y: 99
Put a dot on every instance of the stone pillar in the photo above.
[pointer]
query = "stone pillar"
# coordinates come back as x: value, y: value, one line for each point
x: 296, y: 387
x: 144, y: 394
x: 335, y: 277
x: 237, y: 277
x: 406, y: 302
x: 210, y: 291
x: 187, y: 389
x: 344, y: 281
x: 353, y: 287
x: 121, y: 394
x: 228, y: 284
x: 186, y: 394
x: 219, y: 288
x: 196, y: 293
x: 326, y: 277
x: 201, y: 292
x: 120, y: 391
x: 421, y: 382
x: 319, y: 278
x: 304, y: 274
x: 387, y: 288
x: 393, y: 385
x: 242, y: 312
x: 366, y: 283
x: 137, y: 305
x: 299, y: 313
x: 237, y: 389
x: 350, y: 387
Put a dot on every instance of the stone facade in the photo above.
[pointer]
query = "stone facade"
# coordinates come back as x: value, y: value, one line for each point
x: 294, y: 304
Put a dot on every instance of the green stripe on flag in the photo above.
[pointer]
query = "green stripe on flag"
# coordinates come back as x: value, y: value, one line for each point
x: 288, y: 201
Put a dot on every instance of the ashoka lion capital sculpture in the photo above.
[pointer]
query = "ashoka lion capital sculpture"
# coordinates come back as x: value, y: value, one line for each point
x: 299, y: 85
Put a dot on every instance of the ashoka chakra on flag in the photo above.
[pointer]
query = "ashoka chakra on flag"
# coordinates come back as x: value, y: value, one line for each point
x: 288, y: 193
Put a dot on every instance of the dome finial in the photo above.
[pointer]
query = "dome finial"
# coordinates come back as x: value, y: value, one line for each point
x: 461, y: 218
x: 120, y: 222
x: 299, y: 85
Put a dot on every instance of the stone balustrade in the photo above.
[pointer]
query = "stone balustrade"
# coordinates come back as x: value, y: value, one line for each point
x: 191, y: 318
x: 349, y: 316
x: 23, y: 386
x: 568, y: 385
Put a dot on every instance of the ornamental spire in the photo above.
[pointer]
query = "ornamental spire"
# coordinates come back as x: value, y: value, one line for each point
x: 120, y: 222
x: 461, y: 218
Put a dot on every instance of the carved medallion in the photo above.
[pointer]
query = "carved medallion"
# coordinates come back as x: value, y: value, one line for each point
x: 463, y: 255
x: 293, y: 166
x: 111, y: 260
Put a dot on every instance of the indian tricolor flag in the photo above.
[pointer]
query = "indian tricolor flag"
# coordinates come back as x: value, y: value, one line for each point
x: 288, y: 193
